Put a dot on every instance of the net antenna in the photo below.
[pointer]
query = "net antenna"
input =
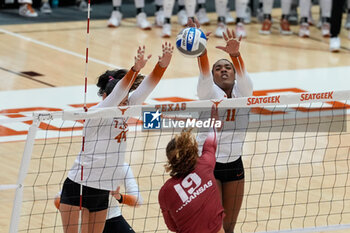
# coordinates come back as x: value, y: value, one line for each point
x: 28, y: 149
x: 85, y: 108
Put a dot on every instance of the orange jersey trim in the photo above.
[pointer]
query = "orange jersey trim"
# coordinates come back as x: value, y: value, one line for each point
x: 129, y: 200
x: 129, y: 79
x: 238, y: 64
x: 203, y: 63
x: 156, y: 74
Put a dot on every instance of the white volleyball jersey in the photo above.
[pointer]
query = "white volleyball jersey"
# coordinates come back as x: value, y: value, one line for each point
x: 231, y: 138
x: 105, y: 139
x: 131, y: 188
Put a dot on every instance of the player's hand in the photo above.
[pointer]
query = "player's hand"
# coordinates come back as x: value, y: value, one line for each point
x: 232, y: 43
x: 196, y: 24
x: 193, y: 24
x: 116, y: 194
x: 164, y: 60
x: 215, y: 114
x: 140, y: 59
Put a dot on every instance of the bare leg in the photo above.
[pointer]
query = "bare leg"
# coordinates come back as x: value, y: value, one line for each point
x: 70, y: 218
x: 219, y: 184
x: 232, y: 196
x: 221, y: 230
x: 97, y: 221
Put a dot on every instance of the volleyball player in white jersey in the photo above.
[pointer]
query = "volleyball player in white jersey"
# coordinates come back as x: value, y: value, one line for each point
x: 267, y: 23
x: 105, y: 144
x: 227, y: 80
x: 141, y: 17
x: 115, y: 221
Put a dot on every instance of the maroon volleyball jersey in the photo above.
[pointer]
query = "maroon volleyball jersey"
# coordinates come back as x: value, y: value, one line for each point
x: 193, y: 203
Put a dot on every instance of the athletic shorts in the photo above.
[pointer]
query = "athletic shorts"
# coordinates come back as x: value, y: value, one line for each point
x: 117, y: 224
x: 226, y: 172
x: 93, y: 199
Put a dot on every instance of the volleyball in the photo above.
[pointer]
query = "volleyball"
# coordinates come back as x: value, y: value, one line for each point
x: 191, y: 42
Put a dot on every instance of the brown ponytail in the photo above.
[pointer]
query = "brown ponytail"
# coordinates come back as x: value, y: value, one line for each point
x: 182, y: 153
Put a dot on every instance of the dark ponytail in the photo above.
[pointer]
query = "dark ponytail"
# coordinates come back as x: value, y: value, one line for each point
x: 107, y: 81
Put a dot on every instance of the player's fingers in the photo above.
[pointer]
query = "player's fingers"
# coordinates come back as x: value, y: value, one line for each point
x: 169, y: 46
x: 228, y: 33
x: 197, y: 23
x: 240, y: 38
x: 139, y: 50
x: 225, y: 36
x: 233, y: 34
x: 208, y: 34
x: 190, y: 22
x: 221, y: 47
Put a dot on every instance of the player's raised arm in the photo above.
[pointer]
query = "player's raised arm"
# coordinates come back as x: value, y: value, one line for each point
x: 151, y: 81
x: 210, y: 144
x: 205, y: 86
x: 120, y: 88
x: 244, y: 82
x: 203, y: 62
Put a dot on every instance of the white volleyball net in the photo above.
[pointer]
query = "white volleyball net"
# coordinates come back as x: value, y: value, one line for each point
x: 295, y: 154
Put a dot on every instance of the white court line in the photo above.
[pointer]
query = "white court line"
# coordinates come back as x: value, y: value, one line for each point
x: 57, y: 48
x: 313, y: 229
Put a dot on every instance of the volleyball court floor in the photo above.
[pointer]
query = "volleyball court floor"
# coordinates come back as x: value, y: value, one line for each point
x: 42, y: 68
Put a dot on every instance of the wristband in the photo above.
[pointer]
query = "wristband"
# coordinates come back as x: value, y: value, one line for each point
x: 121, y: 199
x: 237, y: 54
